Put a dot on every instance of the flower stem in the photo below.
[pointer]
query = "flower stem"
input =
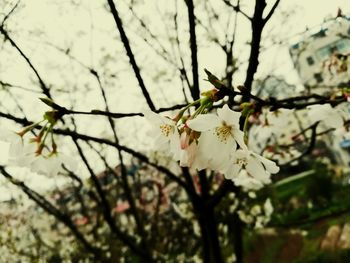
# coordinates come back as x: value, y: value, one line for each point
x: 42, y: 143
x: 245, y: 127
x: 29, y: 128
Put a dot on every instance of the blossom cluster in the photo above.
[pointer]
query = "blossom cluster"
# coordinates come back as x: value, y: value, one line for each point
x: 33, y: 151
x: 212, y: 141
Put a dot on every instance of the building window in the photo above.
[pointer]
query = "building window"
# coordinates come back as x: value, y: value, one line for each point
x: 310, y: 60
x: 343, y: 45
x: 318, y: 77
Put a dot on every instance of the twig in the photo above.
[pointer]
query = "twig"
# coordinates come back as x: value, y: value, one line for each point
x: 45, y: 89
x: 130, y: 54
x: 193, y: 44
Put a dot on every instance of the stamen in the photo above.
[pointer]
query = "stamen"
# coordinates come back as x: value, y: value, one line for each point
x: 224, y: 132
x: 166, y: 129
x: 242, y: 162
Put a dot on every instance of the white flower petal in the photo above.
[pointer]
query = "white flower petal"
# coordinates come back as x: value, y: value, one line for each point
x: 229, y: 116
x: 255, y: 168
x: 215, y: 152
x: 270, y: 166
x: 247, y: 182
x: 232, y: 171
x: 239, y: 137
x: 204, y: 122
x: 330, y: 116
x: 7, y: 135
x: 334, y: 121
x: 157, y: 119
x: 175, y: 146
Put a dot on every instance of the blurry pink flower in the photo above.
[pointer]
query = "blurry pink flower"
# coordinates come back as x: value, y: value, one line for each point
x: 121, y: 207
x: 81, y: 221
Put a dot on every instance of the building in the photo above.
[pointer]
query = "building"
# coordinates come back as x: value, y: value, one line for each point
x: 321, y: 55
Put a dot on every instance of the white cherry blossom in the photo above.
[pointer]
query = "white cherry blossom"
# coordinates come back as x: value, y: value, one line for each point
x: 220, y: 134
x: 21, y: 152
x: 51, y: 165
x: 258, y: 169
x: 331, y: 117
x: 165, y: 134
x: 272, y: 125
x: 247, y: 182
x: 192, y: 157
x: 279, y: 118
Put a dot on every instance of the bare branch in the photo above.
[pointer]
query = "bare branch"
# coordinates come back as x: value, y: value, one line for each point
x: 271, y: 11
x: 10, y: 13
x: 130, y: 54
x: 237, y: 9
x: 49, y: 208
x: 106, y: 208
x: 193, y: 44
x: 45, y: 89
x: 125, y: 183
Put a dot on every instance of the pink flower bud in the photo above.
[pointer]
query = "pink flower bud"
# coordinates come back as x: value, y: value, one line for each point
x: 184, y: 140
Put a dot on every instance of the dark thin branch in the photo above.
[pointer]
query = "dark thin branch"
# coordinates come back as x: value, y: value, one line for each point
x: 49, y: 208
x: 125, y: 183
x: 311, y: 146
x: 45, y: 89
x: 10, y: 13
x: 106, y: 207
x: 7, y: 85
x: 228, y: 49
x: 74, y: 177
x: 195, y: 92
x: 122, y: 115
x: 257, y: 25
x: 183, y: 71
x: 237, y: 9
x: 191, y: 189
x: 130, y: 54
x: 205, y: 187
x: 225, y: 187
x: 164, y: 53
x: 267, y: 18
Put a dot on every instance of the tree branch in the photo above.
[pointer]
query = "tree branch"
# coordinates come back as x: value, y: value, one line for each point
x: 130, y: 54
x: 50, y: 209
x: 267, y: 18
x: 45, y: 89
x: 106, y: 208
x: 237, y: 9
x: 193, y: 44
